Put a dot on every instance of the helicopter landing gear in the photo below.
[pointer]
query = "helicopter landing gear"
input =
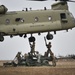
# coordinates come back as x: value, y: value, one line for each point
x: 32, y: 39
x: 1, y: 38
x: 21, y: 35
x: 49, y: 36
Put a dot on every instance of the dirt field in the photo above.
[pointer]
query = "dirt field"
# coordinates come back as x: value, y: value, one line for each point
x: 62, y: 68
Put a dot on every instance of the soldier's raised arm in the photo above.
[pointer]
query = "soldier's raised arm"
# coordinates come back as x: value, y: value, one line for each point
x: 45, y: 41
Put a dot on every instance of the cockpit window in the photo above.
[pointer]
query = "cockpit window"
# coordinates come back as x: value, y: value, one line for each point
x: 63, y: 16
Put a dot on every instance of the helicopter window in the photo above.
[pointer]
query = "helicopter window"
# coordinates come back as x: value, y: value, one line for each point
x: 49, y: 18
x: 63, y: 16
x: 7, y: 21
x: 36, y: 19
x: 19, y: 19
x: 22, y: 20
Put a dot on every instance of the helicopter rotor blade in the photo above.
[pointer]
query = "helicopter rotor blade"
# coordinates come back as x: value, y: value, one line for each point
x: 37, y: 0
x: 71, y: 1
x: 54, y: 0
x: 65, y: 0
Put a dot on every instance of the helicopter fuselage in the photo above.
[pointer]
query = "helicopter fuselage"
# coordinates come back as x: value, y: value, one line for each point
x: 24, y: 22
x: 35, y: 21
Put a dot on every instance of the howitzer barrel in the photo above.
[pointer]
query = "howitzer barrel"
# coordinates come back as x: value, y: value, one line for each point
x: 45, y: 41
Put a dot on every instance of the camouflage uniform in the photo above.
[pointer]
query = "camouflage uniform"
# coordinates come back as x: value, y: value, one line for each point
x: 49, y: 50
x: 51, y: 53
x: 32, y: 48
x: 18, y: 56
x: 38, y: 57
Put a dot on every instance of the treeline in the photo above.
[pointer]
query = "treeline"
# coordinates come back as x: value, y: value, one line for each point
x: 70, y: 56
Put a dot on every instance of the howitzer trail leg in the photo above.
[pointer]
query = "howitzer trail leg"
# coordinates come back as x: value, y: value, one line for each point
x: 53, y: 60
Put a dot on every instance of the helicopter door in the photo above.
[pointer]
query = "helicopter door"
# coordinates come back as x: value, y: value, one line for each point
x: 63, y: 18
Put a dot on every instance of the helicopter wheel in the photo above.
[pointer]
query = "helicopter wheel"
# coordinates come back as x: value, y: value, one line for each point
x: 1, y: 38
x: 21, y: 35
x: 49, y: 36
x: 32, y: 39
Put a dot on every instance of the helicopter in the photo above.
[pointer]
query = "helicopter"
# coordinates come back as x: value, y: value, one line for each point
x: 36, y: 21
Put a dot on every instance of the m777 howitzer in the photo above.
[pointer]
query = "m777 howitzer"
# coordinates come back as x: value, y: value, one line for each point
x: 31, y: 60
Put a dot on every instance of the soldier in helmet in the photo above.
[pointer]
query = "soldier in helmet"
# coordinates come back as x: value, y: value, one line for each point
x: 38, y: 57
x: 49, y: 49
x: 50, y: 52
x: 32, y: 46
x: 18, y: 56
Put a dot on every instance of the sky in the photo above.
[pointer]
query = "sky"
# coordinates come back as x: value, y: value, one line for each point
x: 63, y: 42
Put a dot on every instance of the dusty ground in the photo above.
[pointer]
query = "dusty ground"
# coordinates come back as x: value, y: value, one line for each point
x: 62, y: 68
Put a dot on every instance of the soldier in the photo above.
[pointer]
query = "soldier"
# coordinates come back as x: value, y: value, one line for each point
x: 32, y: 46
x: 38, y: 57
x: 49, y: 51
x: 18, y: 56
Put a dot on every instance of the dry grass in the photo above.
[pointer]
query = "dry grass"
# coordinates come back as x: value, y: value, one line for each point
x: 62, y: 68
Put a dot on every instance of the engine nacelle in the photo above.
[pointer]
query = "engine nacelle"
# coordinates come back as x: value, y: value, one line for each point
x: 3, y: 9
x: 60, y: 6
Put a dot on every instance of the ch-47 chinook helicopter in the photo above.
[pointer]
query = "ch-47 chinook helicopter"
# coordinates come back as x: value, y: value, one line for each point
x: 36, y: 21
